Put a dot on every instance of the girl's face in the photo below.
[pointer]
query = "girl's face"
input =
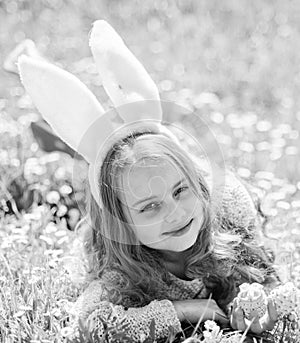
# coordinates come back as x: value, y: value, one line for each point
x: 164, y: 211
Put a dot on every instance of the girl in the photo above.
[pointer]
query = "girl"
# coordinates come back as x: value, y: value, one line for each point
x: 164, y: 236
x: 166, y: 243
x: 166, y: 252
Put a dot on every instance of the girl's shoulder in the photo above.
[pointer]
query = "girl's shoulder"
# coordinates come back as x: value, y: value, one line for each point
x: 230, y: 199
x: 113, y: 276
x: 233, y: 204
x: 109, y: 278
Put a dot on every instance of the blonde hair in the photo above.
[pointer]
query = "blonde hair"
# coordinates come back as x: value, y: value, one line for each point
x: 112, y: 245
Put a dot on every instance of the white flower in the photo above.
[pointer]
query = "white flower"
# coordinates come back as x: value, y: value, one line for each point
x: 212, y: 334
x: 142, y: 337
x: 210, y: 325
x: 67, y: 331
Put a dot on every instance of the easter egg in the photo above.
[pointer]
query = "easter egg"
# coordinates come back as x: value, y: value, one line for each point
x: 252, y: 298
x: 286, y: 298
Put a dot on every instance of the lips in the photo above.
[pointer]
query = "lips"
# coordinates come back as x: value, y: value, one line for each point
x: 178, y: 230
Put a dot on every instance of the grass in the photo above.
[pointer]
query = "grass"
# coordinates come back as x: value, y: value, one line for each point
x: 235, y: 63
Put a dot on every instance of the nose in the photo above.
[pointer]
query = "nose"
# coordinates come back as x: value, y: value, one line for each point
x: 175, y: 213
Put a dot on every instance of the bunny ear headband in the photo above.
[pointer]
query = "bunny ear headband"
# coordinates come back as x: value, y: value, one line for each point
x: 75, y: 114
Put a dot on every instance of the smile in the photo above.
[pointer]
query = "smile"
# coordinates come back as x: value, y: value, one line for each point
x: 181, y: 231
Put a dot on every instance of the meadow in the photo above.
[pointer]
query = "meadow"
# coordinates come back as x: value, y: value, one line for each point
x: 235, y: 63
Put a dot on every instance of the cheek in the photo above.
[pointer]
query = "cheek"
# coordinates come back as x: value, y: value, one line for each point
x: 148, y: 231
x: 197, y: 206
x: 140, y: 222
x: 149, y: 227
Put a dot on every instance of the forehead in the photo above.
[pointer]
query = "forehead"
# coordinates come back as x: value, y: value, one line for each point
x: 149, y: 178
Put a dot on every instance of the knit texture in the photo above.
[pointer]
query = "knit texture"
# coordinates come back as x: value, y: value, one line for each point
x: 92, y: 304
x: 92, y: 307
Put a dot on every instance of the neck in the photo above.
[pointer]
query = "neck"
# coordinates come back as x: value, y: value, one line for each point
x: 174, y: 256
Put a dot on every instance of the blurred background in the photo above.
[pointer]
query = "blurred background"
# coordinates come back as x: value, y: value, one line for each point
x: 235, y: 63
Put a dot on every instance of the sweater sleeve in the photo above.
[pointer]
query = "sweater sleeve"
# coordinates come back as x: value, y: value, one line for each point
x: 93, y: 310
x: 136, y: 321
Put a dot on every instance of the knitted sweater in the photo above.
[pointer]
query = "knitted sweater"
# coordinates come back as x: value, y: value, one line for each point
x: 236, y: 205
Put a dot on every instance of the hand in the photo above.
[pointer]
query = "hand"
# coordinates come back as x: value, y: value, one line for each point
x: 259, y: 325
x: 194, y: 309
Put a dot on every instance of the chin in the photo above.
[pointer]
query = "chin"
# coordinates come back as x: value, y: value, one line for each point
x: 182, y: 246
x: 174, y: 246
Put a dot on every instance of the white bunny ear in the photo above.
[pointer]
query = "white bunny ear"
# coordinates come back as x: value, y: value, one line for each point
x: 66, y: 104
x: 124, y: 78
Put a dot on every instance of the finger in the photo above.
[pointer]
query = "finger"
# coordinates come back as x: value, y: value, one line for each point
x: 272, y: 310
x: 234, y: 305
x: 238, y: 320
x: 233, y: 315
x: 256, y: 326
x: 272, y: 316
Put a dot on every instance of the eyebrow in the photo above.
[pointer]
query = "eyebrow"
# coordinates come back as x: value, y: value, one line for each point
x: 153, y: 197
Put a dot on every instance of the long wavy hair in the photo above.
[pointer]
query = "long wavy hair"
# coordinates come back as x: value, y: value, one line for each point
x: 222, y: 257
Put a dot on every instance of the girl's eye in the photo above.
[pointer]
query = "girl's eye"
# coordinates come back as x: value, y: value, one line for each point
x: 181, y: 190
x: 152, y: 206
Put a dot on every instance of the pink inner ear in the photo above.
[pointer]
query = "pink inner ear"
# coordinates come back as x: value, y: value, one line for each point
x: 124, y: 78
